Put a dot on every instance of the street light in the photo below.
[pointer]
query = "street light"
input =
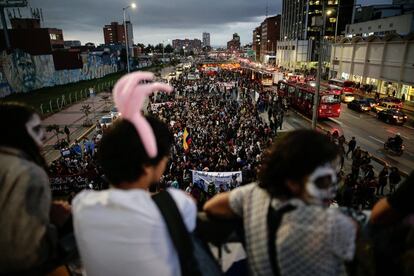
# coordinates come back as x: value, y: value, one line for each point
x: 133, y: 6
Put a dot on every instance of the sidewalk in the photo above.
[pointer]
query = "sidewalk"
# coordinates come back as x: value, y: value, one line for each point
x: 73, y: 118
x: 285, y: 126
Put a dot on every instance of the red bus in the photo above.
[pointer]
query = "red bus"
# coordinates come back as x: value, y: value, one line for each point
x: 346, y: 85
x: 301, y: 98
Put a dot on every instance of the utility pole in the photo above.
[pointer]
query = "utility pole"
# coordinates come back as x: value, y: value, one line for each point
x: 318, y: 76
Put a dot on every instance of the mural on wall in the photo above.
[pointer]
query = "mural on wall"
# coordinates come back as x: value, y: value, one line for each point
x: 21, y: 72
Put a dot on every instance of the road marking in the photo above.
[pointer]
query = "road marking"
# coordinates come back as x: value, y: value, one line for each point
x: 336, y: 121
x: 376, y: 139
x: 409, y: 127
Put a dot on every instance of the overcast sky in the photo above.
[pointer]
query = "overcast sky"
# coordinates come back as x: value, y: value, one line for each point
x: 158, y: 20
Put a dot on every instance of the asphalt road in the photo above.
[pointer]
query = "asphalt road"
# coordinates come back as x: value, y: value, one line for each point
x: 369, y: 132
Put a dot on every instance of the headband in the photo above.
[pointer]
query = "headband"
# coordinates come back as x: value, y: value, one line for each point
x: 129, y: 96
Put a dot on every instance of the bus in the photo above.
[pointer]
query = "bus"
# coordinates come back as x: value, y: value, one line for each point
x: 301, y: 97
x: 345, y: 85
x: 266, y: 79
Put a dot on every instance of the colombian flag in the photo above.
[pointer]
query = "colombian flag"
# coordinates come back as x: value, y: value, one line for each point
x: 186, y: 140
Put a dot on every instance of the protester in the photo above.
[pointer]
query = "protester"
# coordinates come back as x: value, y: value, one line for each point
x: 311, y: 240
x: 121, y: 230
x: 27, y: 237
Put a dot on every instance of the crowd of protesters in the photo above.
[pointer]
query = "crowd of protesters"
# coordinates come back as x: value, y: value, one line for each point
x: 208, y: 125
x: 226, y: 131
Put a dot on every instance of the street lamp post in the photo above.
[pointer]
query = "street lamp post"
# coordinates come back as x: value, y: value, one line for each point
x: 133, y: 5
x: 318, y: 77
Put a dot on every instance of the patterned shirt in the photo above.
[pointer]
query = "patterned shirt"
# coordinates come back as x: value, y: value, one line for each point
x: 311, y: 240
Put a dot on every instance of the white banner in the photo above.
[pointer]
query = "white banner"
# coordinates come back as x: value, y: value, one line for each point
x: 156, y: 106
x: 203, y: 179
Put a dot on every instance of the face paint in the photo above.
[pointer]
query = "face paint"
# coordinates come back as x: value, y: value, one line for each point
x: 35, y: 130
x: 322, y: 185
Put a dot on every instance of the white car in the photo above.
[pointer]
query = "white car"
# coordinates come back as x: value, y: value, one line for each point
x: 385, y: 106
x: 347, y: 97
x: 115, y: 113
x: 106, y: 121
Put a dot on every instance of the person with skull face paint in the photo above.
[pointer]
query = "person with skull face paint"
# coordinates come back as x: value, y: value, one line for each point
x: 297, y: 182
x: 27, y: 237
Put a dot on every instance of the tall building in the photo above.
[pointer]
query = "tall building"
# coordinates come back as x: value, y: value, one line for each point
x: 270, y: 34
x: 298, y: 18
x: 300, y: 28
x: 257, y: 38
x: 114, y: 33
x: 234, y: 44
x: 206, y: 39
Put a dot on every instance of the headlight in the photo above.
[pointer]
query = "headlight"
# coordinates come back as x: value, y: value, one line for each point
x: 395, y: 117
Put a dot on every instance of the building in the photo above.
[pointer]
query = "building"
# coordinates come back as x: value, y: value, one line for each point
x: 27, y: 35
x: 373, y: 12
x: 257, y: 38
x: 115, y: 34
x: 187, y: 44
x: 401, y: 24
x: 300, y: 30
x: 25, y: 23
x: 206, y: 40
x: 270, y: 34
x: 72, y: 43
x: 386, y: 62
x: 403, y: 2
x: 234, y: 44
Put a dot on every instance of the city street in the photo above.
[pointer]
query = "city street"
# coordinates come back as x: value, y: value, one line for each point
x: 370, y: 134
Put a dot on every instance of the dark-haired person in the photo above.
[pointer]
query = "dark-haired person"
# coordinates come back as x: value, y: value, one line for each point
x: 120, y: 231
x: 300, y: 172
x: 27, y: 238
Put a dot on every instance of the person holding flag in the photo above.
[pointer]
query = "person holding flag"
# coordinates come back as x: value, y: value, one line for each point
x: 186, y: 140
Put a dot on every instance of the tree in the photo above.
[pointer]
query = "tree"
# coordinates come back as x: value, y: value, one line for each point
x: 169, y: 49
x: 86, y: 109
x: 149, y: 49
x: 55, y: 129
x: 159, y: 48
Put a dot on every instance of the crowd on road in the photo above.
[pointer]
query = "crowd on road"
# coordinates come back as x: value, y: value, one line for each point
x: 214, y: 124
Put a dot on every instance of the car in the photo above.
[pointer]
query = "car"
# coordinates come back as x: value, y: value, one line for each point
x: 347, y: 97
x: 360, y: 105
x: 106, y: 121
x: 394, y: 100
x: 372, y: 102
x: 392, y: 116
x: 115, y: 113
x: 385, y: 105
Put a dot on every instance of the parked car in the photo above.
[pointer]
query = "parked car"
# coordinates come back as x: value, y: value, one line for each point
x: 392, y: 116
x: 360, y: 105
x: 106, y: 121
x: 384, y: 106
x: 347, y: 97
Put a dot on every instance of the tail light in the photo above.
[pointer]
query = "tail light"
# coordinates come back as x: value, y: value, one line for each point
x: 339, y: 110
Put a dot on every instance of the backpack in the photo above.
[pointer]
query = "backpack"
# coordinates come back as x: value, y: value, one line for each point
x: 194, y: 256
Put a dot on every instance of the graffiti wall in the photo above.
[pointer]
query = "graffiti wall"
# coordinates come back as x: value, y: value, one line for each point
x: 21, y: 72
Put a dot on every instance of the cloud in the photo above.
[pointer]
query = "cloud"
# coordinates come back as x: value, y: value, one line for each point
x: 157, y: 20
